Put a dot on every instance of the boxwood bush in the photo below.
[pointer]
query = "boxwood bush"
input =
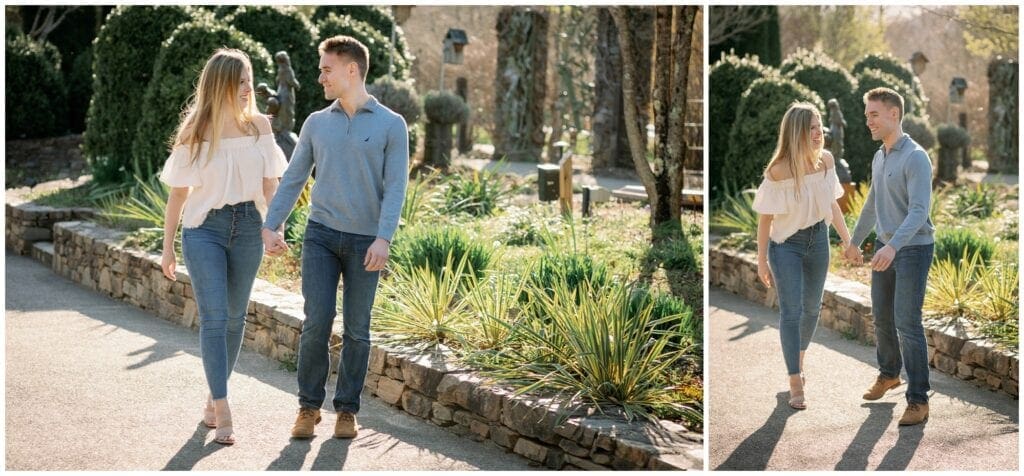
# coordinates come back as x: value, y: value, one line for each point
x: 728, y: 78
x: 860, y: 149
x: 887, y: 63
x: 376, y: 17
x: 920, y: 130
x: 36, y: 104
x: 378, y: 44
x: 175, y: 74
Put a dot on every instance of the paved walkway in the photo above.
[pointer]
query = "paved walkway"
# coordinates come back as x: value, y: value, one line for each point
x: 752, y: 427
x: 96, y: 384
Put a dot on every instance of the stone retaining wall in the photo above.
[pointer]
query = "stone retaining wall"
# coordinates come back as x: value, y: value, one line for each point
x: 29, y: 223
x: 846, y: 308
x: 429, y: 385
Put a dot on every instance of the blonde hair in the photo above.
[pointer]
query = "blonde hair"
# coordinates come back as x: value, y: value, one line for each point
x: 218, y: 84
x: 794, y: 148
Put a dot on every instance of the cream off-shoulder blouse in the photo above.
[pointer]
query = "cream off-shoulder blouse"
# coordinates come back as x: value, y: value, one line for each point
x: 234, y: 174
x: 793, y: 213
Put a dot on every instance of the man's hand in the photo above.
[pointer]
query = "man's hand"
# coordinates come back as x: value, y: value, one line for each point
x: 853, y: 255
x: 377, y: 255
x: 273, y: 242
x: 883, y: 258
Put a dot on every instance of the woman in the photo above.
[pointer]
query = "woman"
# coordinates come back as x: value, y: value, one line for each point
x: 797, y: 201
x: 223, y: 170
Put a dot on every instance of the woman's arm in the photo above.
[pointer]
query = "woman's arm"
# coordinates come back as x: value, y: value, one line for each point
x: 172, y: 217
x: 764, y: 226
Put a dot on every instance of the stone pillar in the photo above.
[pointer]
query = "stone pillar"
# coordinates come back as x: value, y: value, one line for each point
x: 1003, y: 119
x: 520, y: 84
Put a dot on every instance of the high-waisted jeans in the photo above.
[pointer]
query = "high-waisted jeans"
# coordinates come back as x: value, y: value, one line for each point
x: 222, y: 257
x: 897, y: 295
x: 799, y: 266
x: 327, y: 255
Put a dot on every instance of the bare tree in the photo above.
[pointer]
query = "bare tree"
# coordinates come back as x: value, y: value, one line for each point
x: 728, y: 22
x: 46, y: 21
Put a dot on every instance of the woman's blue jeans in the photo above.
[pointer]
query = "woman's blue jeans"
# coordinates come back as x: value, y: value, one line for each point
x: 327, y: 256
x: 799, y: 266
x: 222, y: 257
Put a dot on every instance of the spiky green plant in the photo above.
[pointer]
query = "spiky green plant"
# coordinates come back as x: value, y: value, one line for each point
x: 951, y: 286
x: 978, y: 201
x: 423, y: 307
x: 736, y: 216
x: 999, y: 288
x: 480, y: 195
x: 494, y: 309
x: 146, y: 203
x: 430, y: 247
x: 419, y: 197
x: 953, y: 243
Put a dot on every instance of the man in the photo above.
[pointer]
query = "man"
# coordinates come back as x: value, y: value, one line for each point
x: 897, y: 208
x: 361, y: 154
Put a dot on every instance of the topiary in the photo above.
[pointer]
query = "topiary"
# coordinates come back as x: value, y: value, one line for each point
x: 377, y: 17
x: 950, y: 244
x: 887, y: 63
x: 36, y: 103
x: 729, y: 77
x: 401, y: 97
x: 826, y: 78
x: 920, y: 130
x: 175, y: 75
x: 443, y: 107
x: 124, y: 52
x: 860, y: 148
x: 284, y: 28
x: 375, y: 41
x: 801, y: 57
x: 952, y: 136
x: 756, y: 130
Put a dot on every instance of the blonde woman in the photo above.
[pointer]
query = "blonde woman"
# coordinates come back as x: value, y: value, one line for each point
x: 796, y: 202
x: 223, y: 170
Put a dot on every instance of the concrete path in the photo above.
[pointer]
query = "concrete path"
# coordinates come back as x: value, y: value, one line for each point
x: 751, y: 426
x: 96, y: 384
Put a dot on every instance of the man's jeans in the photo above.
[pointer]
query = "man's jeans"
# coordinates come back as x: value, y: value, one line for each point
x: 897, y: 295
x: 799, y: 266
x: 328, y: 254
x: 222, y: 257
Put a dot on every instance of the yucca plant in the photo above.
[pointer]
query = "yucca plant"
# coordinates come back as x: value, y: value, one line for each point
x: 146, y: 203
x: 736, y: 216
x: 494, y: 309
x: 667, y: 306
x: 424, y: 307
x: 978, y: 201
x: 478, y: 196
x: 599, y: 351
x: 570, y: 269
x: 998, y: 286
x: 419, y: 197
x: 430, y: 247
x: 951, y: 286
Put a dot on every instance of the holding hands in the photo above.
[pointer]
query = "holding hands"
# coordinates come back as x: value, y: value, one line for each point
x: 273, y: 242
x: 852, y: 254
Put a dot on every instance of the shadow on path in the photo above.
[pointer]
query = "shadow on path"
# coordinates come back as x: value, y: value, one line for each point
x: 899, y: 456
x: 755, y: 451
x: 868, y: 435
x: 193, y: 450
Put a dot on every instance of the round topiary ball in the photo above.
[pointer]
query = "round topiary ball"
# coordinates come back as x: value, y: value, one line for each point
x: 399, y: 96
x: 443, y: 107
x: 756, y: 130
x: 36, y: 103
x: 728, y: 78
x: 375, y: 41
x: 952, y: 136
x: 176, y: 73
x: 920, y: 130
x: 284, y: 28
x: 887, y: 63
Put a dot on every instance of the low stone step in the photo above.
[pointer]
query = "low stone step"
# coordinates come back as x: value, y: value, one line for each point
x: 691, y: 197
x: 43, y: 251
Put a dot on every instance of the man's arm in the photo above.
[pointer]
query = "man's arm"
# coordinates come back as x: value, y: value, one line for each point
x: 292, y: 183
x: 919, y: 195
x: 396, y: 178
x: 866, y: 220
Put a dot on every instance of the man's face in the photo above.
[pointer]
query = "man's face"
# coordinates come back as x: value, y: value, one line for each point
x: 337, y: 75
x: 881, y: 118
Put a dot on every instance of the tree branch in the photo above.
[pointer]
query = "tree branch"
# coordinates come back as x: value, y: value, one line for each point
x: 728, y: 22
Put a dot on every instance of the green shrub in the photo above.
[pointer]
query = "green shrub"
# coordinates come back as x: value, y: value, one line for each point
x: 36, y: 104
x: 735, y: 215
x: 728, y: 79
x: 920, y: 130
x: 377, y: 17
x: 887, y: 63
x: 284, y: 28
x: 952, y: 136
x: 951, y: 243
x: 571, y: 269
x: 425, y: 306
x: 443, y: 107
x: 756, y: 130
x: 79, y: 83
x: 401, y: 97
x: 860, y: 148
x: 669, y: 312
x: 478, y: 195
x: 978, y: 201
x: 525, y: 228
x: 375, y: 41
x: 822, y: 75
x: 124, y: 53
x: 175, y: 74
x: 431, y: 247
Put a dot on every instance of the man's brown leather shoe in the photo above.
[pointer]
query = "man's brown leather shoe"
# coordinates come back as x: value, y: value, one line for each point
x: 882, y: 384
x: 345, y: 427
x: 306, y: 422
x: 915, y: 413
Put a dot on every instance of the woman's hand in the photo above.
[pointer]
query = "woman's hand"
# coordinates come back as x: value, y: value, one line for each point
x: 167, y: 263
x: 765, y: 273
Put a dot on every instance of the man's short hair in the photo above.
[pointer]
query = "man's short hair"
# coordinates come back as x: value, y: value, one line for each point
x: 886, y: 96
x: 347, y: 46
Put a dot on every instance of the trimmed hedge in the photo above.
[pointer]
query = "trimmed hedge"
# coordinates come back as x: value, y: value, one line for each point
x: 124, y: 53
x: 377, y: 17
x: 756, y: 130
x: 79, y: 83
x: 285, y: 28
x: 35, y: 104
x: 920, y: 130
x: 728, y: 78
x: 443, y: 107
x: 952, y: 136
x: 175, y: 74
x: 860, y: 149
x: 378, y: 44
x: 887, y: 63
x: 401, y: 97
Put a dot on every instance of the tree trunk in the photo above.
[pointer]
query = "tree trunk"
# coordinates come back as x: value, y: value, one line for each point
x: 663, y: 126
x: 682, y: 41
x: 641, y: 46
x: 558, y: 103
x: 520, y: 84
x: 607, y: 93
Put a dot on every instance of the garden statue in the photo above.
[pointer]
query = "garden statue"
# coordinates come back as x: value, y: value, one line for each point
x: 836, y: 126
x: 281, y: 103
